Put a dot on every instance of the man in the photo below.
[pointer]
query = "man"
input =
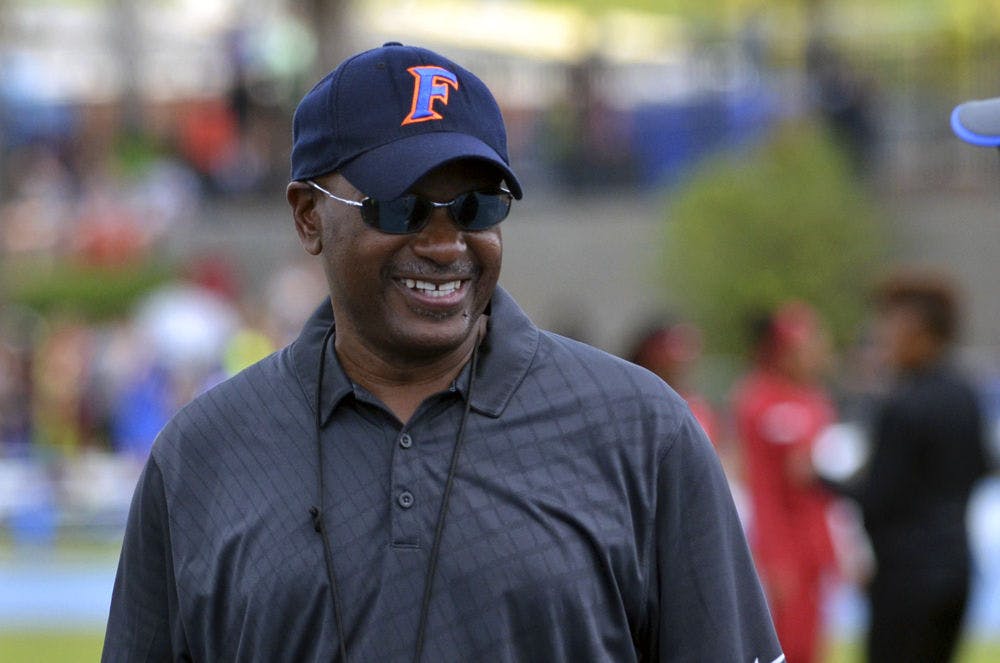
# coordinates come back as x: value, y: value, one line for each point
x: 780, y: 409
x: 928, y: 452
x: 423, y: 474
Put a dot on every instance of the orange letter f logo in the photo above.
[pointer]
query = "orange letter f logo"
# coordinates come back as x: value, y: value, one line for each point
x: 431, y: 85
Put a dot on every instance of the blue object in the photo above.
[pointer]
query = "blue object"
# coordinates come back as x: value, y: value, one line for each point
x: 978, y: 122
x: 141, y: 411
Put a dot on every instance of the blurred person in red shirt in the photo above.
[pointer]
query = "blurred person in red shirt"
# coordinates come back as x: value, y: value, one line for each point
x: 780, y: 408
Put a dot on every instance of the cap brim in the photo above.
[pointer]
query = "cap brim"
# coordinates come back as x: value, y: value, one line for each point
x: 387, y: 172
x: 978, y: 122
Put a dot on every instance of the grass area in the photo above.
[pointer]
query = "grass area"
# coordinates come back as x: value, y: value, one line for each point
x: 51, y: 646
x: 85, y: 647
x: 984, y: 651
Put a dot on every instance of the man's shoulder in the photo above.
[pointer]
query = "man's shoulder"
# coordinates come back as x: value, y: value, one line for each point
x: 247, y: 386
x: 254, y: 398
x: 617, y: 399
x: 585, y: 366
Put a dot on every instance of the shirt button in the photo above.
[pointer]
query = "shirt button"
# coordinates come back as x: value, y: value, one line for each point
x: 405, y: 499
x: 405, y: 441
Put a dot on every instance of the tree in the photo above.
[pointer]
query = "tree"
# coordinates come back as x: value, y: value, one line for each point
x: 784, y: 219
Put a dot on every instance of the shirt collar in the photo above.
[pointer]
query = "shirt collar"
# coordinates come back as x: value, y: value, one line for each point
x: 505, y: 356
x: 305, y: 353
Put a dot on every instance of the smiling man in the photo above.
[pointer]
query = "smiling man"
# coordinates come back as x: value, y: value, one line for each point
x: 409, y: 306
x: 424, y: 474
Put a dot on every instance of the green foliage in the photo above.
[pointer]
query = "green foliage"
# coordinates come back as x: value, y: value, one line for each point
x: 93, y: 293
x: 786, y: 219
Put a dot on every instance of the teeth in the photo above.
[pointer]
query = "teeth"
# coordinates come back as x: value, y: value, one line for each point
x: 433, y: 289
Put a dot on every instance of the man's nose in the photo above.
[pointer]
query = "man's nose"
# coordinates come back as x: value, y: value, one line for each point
x: 441, y: 240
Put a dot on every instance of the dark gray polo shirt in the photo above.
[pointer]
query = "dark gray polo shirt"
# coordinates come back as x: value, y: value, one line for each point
x: 590, y: 519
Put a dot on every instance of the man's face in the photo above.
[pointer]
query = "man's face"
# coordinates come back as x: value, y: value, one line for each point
x: 903, y: 340
x: 410, y: 297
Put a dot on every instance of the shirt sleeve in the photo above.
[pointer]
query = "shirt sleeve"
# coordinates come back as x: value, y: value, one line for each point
x: 143, y: 624
x: 710, y: 606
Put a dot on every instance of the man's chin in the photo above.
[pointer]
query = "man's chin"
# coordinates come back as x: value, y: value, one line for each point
x: 435, y: 336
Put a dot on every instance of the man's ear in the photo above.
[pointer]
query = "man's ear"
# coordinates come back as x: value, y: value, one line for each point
x: 308, y: 224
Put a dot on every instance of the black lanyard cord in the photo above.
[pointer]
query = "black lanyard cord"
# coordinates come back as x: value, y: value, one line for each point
x: 317, y: 512
x: 443, y: 512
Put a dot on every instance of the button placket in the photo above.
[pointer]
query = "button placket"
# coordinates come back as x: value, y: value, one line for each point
x: 405, y: 511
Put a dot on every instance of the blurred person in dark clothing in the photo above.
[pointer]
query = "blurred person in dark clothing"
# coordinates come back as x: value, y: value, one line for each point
x: 844, y: 99
x: 928, y: 451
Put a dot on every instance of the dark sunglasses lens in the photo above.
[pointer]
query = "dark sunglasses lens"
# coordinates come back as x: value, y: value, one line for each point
x: 370, y: 212
x: 477, y: 210
x: 465, y: 208
x: 406, y: 214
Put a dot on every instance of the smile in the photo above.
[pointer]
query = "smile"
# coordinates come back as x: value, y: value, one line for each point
x: 433, y: 289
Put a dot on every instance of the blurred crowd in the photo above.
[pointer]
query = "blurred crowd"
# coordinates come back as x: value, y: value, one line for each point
x: 105, y: 330
x: 81, y: 396
x: 104, y: 333
x: 866, y: 482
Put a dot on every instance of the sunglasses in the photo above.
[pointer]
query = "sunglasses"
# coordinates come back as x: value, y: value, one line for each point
x: 475, y: 210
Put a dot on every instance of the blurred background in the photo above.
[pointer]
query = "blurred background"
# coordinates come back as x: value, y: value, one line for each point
x: 681, y: 158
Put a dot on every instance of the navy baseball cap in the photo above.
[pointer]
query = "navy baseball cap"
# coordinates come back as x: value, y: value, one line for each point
x: 385, y: 117
x: 978, y: 122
